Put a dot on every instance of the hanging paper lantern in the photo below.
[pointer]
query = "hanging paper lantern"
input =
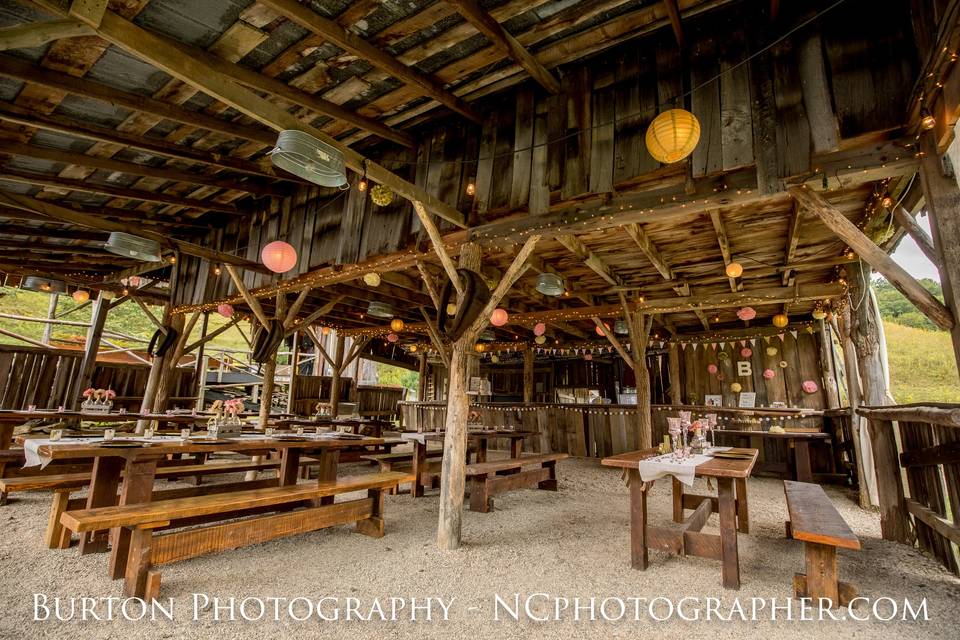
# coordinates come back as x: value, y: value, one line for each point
x: 768, y: 374
x: 80, y: 296
x: 781, y: 320
x: 372, y: 279
x: 818, y: 313
x: 494, y: 359
x: 413, y: 348
x: 279, y: 256
x: 381, y: 195
x: 539, y: 329
x: 479, y: 347
x: 771, y: 351
x: 734, y: 270
x: 588, y: 357
x: 673, y: 135
x: 451, y: 309
x: 783, y: 364
x: 499, y: 317
x: 809, y: 386
x: 392, y: 337
x: 746, y: 352
x: 540, y: 339
x: 746, y: 313
x: 712, y: 369
x: 325, y: 331
x: 600, y: 331
x: 396, y: 324
x: 225, y: 310
x: 736, y: 387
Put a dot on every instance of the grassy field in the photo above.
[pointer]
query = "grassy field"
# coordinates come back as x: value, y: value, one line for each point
x: 922, y: 368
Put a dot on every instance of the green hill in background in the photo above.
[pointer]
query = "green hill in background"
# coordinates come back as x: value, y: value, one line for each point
x: 895, y: 308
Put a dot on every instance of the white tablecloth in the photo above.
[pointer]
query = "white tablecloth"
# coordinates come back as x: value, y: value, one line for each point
x: 684, y: 470
x: 33, y: 458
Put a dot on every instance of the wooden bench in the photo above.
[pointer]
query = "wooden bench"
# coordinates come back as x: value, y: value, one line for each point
x: 489, y: 478
x: 815, y: 520
x: 149, y: 549
x: 403, y: 462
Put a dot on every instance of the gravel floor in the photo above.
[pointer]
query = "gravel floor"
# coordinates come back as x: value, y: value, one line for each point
x: 568, y: 544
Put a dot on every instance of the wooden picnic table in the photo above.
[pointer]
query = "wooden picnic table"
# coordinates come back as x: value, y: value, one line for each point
x: 355, y: 425
x: 479, y: 438
x: 138, y: 469
x: 687, y: 539
x: 801, y: 440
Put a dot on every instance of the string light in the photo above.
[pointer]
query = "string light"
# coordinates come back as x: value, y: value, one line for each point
x: 471, y: 188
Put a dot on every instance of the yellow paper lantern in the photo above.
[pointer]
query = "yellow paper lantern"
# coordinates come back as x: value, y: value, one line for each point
x: 479, y: 347
x: 781, y: 320
x: 673, y: 135
x: 372, y: 279
x: 540, y: 339
x: 451, y: 309
x: 736, y: 387
x: 396, y: 324
x: 80, y: 296
x: 734, y: 270
x: 413, y: 348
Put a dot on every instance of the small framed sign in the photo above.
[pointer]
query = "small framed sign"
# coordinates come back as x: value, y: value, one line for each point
x: 748, y: 400
x: 713, y: 400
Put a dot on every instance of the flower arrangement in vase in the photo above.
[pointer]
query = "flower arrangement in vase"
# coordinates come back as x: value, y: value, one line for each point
x: 698, y: 443
x: 98, y: 400
x: 226, y: 417
x: 322, y: 410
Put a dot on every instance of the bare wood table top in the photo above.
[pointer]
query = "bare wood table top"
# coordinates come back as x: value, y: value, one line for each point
x: 688, y: 539
x: 802, y: 467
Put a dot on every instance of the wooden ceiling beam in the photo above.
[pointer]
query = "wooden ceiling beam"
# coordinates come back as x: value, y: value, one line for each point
x: 132, y: 168
x: 919, y: 235
x: 43, y: 180
x: 18, y: 69
x: 156, y: 146
x: 159, y: 52
x: 876, y: 257
x: 169, y: 224
x: 352, y: 43
x: 724, y: 243
x: 649, y: 249
x: 793, y: 237
x: 589, y: 258
x: 673, y: 13
x: 495, y: 33
x: 27, y: 36
x: 57, y: 212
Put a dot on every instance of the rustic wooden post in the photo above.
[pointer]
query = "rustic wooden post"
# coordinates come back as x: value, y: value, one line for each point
x: 171, y: 360
x: 51, y: 314
x: 89, y: 363
x: 865, y: 475
x: 942, y: 196
x: 422, y: 379
x: 337, y: 367
x: 676, y: 390
x: 866, y: 336
x: 638, y: 327
x: 830, y: 387
x: 528, y: 362
x: 294, y: 372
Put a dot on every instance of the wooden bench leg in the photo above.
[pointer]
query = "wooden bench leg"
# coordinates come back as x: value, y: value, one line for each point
x: 743, y: 508
x: 138, y: 564
x: 820, y: 580
x: 638, y: 521
x: 373, y: 526
x: 3, y: 498
x: 58, y: 536
x: 677, y: 500
x: 480, y: 494
x: 550, y: 484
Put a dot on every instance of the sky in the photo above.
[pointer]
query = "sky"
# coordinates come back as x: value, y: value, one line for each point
x: 909, y: 256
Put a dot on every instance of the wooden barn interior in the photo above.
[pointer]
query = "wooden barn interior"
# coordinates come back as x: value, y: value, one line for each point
x: 495, y: 149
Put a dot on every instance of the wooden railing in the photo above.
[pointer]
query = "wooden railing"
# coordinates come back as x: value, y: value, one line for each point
x: 927, y: 510
x: 379, y: 401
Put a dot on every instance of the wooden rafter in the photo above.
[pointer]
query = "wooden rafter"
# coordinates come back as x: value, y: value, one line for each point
x: 252, y: 302
x: 33, y: 35
x: 488, y: 26
x: 165, y: 55
x: 875, y: 256
x: 724, y: 243
x: 613, y: 341
x: 590, y: 259
x: 437, y: 241
x: 57, y: 212
x: 673, y: 13
x: 355, y: 350
x: 435, y: 338
x: 314, y: 316
x: 793, y: 237
x: 649, y: 249
x: 429, y: 284
x: 351, y: 42
x: 919, y: 235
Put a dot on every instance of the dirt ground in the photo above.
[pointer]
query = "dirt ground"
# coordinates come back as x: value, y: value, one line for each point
x: 541, y: 545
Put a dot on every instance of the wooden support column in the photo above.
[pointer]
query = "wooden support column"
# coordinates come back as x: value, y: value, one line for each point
x: 51, y: 314
x: 85, y: 375
x: 294, y: 371
x: 865, y: 476
x: 335, y: 376
x: 528, y: 362
x: 676, y: 389
x: 866, y: 336
x: 170, y: 361
x: 942, y: 196
x: 266, y: 391
x: 422, y: 378
x: 830, y: 388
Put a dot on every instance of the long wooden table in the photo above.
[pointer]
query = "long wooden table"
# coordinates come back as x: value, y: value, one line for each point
x: 687, y: 539
x: 480, y: 439
x: 803, y: 471
x: 138, y: 466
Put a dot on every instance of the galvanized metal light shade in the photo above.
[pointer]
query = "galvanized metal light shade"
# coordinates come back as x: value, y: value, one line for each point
x: 550, y: 284
x: 620, y: 328
x: 43, y: 285
x: 488, y: 336
x: 131, y: 246
x: 379, y: 309
x: 304, y: 155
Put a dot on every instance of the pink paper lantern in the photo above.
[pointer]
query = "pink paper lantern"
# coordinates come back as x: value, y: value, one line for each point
x: 600, y: 331
x: 392, y: 337
x: 279, y: 256
x: 588, y: 357
x: 712, y: 369
x: 768, y: 374
x: 499, y: 317
x: 539, y: 329
x: 809, y: 386
x: 746, y: 352
x: 746, y: 313
x: 226, y: 310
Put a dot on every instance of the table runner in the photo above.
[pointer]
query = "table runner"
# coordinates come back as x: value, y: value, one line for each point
x: 33, y: 458
x: 684, y: 469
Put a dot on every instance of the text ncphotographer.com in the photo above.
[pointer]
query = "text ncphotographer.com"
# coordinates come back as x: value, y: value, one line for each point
x: 540, y: 608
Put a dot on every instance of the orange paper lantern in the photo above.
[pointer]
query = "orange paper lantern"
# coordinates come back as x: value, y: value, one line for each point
x: 673, y: 135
